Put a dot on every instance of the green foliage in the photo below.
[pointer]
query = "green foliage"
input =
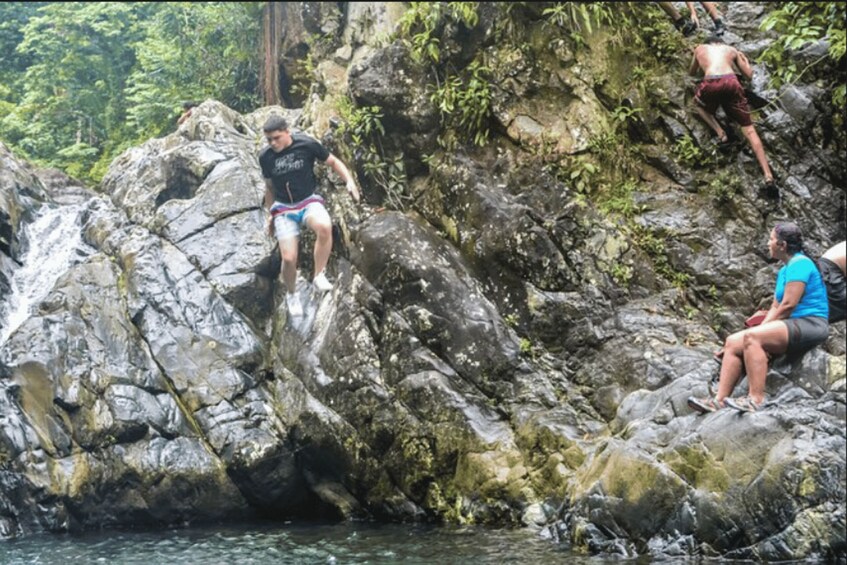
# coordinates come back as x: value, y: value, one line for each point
x: 621, y: 274
x: 798, y: 24
x: 80, y: 55
x: 420, y: 24
x: 690, y: 154
x: 463, y: 98
x: 724, y: 187
x: 581, y: 174
x: 655, y: 33
x: 89, y: 79
x: 363, y: 131
x: 622, y: 114
x: 582, y: 17
x: 361, y: 123
x: 612, y: 146
x: 75, y: 158
x: 639, y: 73
x: 618, y: 199
x: 13, y: 63
x: 611, y: 184
x: 181, y: 58
x: 464, y: 103
x: 652, y: 242
x: 604, y: 175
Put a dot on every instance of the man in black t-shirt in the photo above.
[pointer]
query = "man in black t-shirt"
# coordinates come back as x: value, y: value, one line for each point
x: 288, y: 168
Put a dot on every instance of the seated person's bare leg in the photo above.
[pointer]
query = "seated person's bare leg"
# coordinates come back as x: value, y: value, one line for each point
x: 732, y: 365
x: 760, y: 343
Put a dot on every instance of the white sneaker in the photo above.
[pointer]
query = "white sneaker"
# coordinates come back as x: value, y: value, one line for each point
x: 322, y: 283
x: 295, y: 309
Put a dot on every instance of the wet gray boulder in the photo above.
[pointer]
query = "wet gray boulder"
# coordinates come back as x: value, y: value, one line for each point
x: 747, y: 486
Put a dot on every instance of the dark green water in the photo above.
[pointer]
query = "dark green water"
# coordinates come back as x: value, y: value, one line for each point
x: 337, y: 544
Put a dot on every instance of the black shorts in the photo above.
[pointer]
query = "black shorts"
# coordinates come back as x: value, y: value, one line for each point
x: 806, y: 333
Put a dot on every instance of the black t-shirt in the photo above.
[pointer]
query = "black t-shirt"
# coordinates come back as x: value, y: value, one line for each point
x: 292, y: 170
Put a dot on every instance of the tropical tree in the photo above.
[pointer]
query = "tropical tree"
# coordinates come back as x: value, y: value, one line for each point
x: 80, y: 55
x: 82, y: 81
x: 194, y: 51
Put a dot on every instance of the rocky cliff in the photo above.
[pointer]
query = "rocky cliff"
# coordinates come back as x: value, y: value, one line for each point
x: 511, y: 335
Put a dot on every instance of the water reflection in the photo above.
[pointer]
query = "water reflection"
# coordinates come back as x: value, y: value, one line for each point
x: 339, y: 544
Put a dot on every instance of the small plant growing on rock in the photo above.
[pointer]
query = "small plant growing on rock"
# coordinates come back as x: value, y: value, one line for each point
x: 465, y: 104
x: 511, y: 320
x: 420, y: 23
x: 724, y: 187
x: 618, y: 199
x: 526, y: 347
x: 622, y: 113
x: 622, y: 274
x: 364, y: 130
x: 581, y: 174
x: 689, y: 153
x: 652, y: 242
x: 580, y: 18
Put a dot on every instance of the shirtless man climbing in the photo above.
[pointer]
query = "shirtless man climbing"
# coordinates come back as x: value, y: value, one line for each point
x: 720, y: 87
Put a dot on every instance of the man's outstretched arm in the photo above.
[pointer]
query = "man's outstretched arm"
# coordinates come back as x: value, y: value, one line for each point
x: 342, y: 171
x: 744, y: 65
x: 268, y: 202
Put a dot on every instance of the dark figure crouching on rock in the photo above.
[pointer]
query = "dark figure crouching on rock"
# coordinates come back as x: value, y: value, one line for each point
x: 796, y: 322
x: 187, y: 108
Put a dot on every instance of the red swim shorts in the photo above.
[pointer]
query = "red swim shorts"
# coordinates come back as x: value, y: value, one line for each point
x: 727, y: 92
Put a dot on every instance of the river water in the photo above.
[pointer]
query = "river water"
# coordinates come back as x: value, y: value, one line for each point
x: 267, y: 543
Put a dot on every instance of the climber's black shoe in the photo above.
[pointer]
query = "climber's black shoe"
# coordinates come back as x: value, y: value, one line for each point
x: 724, y: 145
x: 770, y: 190
x: 687, y: 27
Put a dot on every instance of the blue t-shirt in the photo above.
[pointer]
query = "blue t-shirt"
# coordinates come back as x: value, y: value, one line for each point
x: 814, y: 301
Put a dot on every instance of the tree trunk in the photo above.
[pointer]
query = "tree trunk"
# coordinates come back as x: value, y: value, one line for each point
x: 272, y: 19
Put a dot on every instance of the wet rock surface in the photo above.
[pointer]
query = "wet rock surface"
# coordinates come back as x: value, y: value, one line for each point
x: 503, y: 351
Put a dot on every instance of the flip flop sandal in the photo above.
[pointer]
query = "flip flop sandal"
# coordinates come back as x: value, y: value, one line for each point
x: 703, y: 405
x: 714, y: 382
x: 743, y: 404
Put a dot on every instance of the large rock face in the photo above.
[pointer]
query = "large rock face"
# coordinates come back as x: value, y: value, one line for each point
x: 505, y: 351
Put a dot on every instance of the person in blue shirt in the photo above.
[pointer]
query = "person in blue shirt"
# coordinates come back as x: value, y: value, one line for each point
x: 796, y: 322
